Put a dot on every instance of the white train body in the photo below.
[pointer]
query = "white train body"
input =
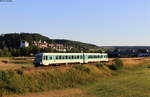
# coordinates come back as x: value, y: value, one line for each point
x: 66, y: 58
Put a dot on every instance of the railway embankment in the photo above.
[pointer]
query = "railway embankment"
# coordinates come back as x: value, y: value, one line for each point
x: 80, y: 81
x: 24, y: 81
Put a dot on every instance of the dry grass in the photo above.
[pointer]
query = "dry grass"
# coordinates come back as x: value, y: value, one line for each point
x: 15, y: 63
x: 131, y: 62
x: 132, y: 83
x: 57, y: 93
x: 19, y: 62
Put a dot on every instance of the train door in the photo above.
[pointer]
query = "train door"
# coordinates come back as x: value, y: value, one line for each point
x: 54, y: 58
x: 83, y: 58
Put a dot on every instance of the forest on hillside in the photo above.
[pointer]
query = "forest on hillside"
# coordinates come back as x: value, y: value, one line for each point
x: 10, y: 44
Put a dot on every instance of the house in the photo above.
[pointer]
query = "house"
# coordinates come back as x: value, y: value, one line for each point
x: 57, y: 47
x: 24, y: 44
x: 41, y: 44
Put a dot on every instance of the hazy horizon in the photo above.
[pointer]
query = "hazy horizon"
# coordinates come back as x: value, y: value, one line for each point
x: 100, y: 22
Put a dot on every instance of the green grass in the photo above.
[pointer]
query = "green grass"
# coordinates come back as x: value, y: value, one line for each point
x: 20, y: 81
x: 133, y: 82
x: 129, y: 83
x: 98, y: 81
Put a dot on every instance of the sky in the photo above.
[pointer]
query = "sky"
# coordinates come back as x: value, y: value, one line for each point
x: 100, y: 22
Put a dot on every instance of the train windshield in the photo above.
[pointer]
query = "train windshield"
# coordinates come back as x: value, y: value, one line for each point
x: 38, y: 58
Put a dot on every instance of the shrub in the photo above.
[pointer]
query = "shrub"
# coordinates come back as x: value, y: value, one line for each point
x: 117, y: 64
x: 18, y: 81
x: 99, y: 65
x: 1, y: 88
x: 82, y: 68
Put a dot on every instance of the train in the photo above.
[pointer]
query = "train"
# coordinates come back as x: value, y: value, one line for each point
x: 45, y: 59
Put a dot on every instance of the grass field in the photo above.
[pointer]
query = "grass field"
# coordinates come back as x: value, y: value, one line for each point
x: 132, y: 81
x: 15, y: 63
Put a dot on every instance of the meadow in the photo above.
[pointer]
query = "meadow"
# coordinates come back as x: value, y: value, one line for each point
x: 12, y: 63
x: 81, y: 81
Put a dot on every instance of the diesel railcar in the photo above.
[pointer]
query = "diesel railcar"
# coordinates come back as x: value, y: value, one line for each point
x: 66, y: 58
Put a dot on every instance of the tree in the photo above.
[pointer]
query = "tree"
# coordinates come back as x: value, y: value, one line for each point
x: 117, y: 64
x: 5, y: 52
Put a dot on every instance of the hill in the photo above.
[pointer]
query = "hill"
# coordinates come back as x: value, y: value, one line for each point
x: 12, y: 40
x: 126, y: 47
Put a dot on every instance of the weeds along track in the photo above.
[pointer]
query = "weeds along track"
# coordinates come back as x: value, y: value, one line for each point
x: 62, y: 66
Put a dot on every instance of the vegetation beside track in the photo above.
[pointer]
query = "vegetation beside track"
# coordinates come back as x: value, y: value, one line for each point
x: 20, y: 81
x: 96, y: 80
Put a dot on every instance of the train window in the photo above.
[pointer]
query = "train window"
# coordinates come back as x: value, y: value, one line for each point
x: 89, y: 57
x: 66, y: 57
x: 50, y: 58
x: 46, y: 57
x: 63, y: 57
x: 101, y: 56
x: 69, y: 57
x: 81, y: 57
x: 77, y: 57
x: 72, y: 57
x: 92, y: 56
x: 57, y: 57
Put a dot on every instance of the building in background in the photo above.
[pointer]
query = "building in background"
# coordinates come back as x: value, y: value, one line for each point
x: 24, y: 44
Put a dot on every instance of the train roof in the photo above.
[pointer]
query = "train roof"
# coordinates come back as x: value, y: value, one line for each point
x: 71, y: 53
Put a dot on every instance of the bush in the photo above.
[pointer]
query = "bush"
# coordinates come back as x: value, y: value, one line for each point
x: 117, y: 64
x: 18, y: 81
x: 82, y: 68
x: 99, y: 65
x: 1, y: 88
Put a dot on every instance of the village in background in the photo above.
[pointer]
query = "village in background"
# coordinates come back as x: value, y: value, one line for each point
x: 29, y: 44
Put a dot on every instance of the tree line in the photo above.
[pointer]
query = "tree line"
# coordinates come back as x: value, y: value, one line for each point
x: 10, y: 44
